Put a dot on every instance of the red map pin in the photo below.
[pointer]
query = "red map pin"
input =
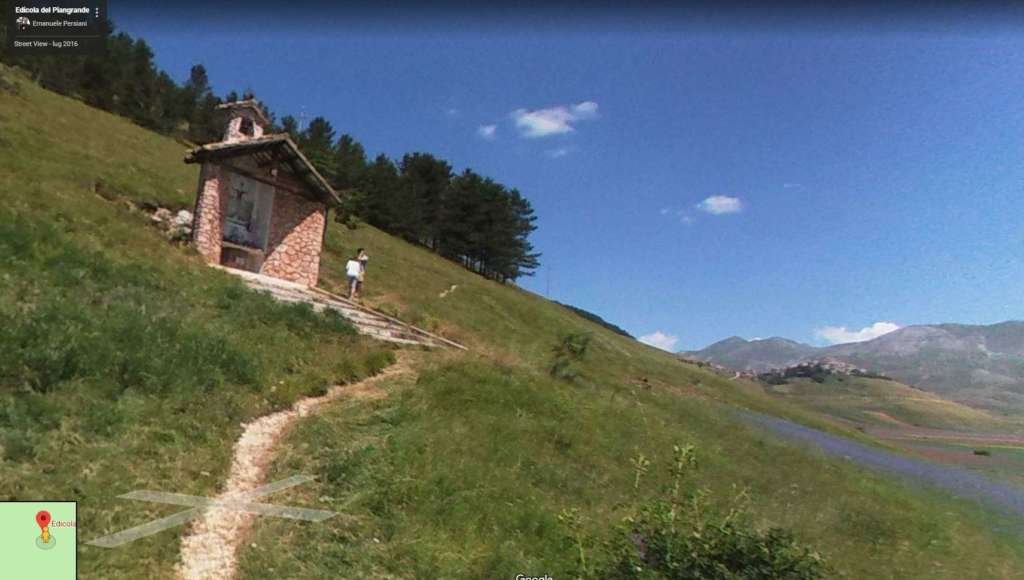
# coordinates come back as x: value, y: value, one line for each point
x: 43, y: 519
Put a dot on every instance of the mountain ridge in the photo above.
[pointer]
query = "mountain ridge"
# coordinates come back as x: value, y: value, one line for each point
x: 978, y: 364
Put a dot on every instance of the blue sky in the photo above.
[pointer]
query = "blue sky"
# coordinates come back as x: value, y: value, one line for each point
x: 696, y: 181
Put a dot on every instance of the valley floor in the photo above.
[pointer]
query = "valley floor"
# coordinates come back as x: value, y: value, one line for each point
x: 998, y: 455
x: 958, y: 481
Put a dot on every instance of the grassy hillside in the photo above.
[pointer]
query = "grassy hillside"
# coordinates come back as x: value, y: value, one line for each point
x: 127, y: 365
x: 463, y: 473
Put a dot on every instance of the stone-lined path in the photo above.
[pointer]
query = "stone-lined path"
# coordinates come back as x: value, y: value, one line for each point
x: 209, y: 549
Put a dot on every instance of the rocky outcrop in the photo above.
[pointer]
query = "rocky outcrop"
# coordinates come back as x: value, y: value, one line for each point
x: 177, y: 226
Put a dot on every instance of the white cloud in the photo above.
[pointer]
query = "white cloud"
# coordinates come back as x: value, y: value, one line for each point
x: 556, y: 120
x: 558, y: 152
x: 840, y: 334
x: 452, y: 112
x: 585, y: 110
x: 659, y: 339
x: 488, y: 132
x: 721, y: 204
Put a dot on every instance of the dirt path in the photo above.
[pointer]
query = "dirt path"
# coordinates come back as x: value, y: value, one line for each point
x: 209, y: 549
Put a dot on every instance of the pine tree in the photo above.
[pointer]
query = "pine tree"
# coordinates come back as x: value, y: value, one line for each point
x: 291, y: 126
x: 317, y: 143
x: 349, y: 162
x: 139, y: 87
x: 485, y: 226
x: 205, y: 126
x: 380, y: 183
x: 424, y: 181
x: 462, y: 204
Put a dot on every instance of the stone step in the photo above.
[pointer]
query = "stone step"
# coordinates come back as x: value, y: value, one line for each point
x: 366, y: 321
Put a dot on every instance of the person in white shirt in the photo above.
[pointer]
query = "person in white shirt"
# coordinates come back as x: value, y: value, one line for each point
x: 363, y: 259
x: 353, y: 269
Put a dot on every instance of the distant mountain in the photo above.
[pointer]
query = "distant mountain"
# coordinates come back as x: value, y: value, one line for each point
x: 755, y: 355
x: 976, y: 364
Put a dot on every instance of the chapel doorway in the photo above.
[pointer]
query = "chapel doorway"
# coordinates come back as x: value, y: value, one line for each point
x: 246, y: 223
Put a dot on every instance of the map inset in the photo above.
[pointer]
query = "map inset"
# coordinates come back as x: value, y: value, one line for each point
x: 38, y: 539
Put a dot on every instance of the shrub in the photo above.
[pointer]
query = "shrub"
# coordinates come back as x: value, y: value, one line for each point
x: 681, y: 534
x: 664, y: 541
x: 569, y: 353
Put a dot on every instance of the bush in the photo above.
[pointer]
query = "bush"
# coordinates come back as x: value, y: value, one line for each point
x: 681, y: 535
x: 569, y: 353
x: 706, y: 546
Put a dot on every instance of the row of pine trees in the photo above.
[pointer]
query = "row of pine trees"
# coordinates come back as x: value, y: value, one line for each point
x: 465, y: 217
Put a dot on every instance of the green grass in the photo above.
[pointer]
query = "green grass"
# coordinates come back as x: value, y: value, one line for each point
x: 887, y: 403
x: 460, y: 472
x: 125, y: 363
x: 463, y: 473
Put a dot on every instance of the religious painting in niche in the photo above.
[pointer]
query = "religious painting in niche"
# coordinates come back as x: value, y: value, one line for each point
x: 248, y: 212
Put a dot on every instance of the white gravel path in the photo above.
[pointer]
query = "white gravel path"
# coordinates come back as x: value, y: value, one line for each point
x: 210, y: 548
